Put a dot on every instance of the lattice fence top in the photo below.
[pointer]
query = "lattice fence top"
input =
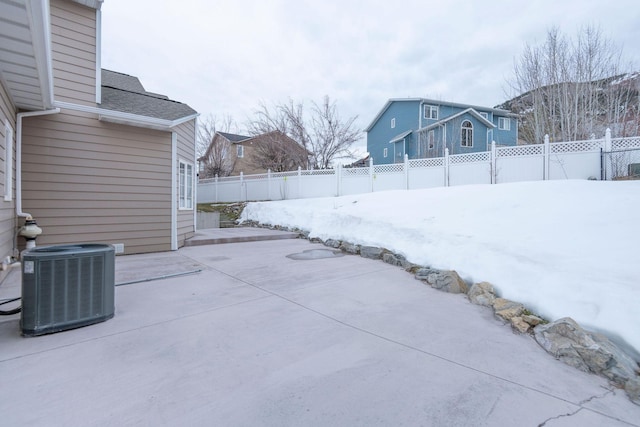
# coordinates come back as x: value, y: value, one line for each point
x: 255, y: 177
x: 625, y: 143
x: 319, y: 172
x: 427, y: 163
x: 576, y: 146
x: 228, y: 178
x: 284, y: 174
x: 520, y: 150
x: 484, y: 156
x: 394, y: 167
x: 355, y: 171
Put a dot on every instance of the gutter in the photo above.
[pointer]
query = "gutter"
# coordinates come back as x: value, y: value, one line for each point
x: 126, y: 118
x: 19, y: 117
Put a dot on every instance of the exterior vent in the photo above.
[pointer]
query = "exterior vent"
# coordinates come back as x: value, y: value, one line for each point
x: 66, y: 286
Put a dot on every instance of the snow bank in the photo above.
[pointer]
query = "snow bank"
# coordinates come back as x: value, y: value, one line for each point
x: 563, y: 248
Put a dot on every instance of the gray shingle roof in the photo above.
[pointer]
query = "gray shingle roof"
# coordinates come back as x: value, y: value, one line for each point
x: 125, y: 93
x: 234, y: 137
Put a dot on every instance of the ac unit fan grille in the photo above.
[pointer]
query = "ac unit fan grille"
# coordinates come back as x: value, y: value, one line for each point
x: 70, y: 288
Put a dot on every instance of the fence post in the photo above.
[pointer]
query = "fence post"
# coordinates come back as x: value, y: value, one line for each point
x: 547, y: 152
x: 371, y: 173
x: 446, y: 166
x: 241, y: 184
x: 607, y: 140
x: 493, y: 171
x: 299, y: 182
x: 216, y: 187
x: 406, y: 171
x: 268, y: 184
x: 338, y: 179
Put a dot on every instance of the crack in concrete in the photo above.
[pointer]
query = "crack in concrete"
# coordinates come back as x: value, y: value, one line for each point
x: 569, y: 414
x: 581, y: 407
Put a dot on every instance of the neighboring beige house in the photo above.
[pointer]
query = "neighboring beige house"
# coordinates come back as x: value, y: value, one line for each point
x: 235, y: 154
x: 88, y: 153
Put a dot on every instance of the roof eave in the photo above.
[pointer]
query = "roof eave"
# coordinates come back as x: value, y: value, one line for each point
x: 41, y: 37
x: 129, y: 119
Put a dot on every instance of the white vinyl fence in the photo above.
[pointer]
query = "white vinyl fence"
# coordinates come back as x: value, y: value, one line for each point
x: 557, y: 160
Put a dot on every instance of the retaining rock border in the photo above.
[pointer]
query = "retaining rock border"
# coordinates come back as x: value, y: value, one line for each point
x: 564, y: 338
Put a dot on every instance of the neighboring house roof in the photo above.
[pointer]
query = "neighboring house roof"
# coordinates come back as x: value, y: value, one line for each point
x: 471, y: 111
x: 401, y: 136
x: 125, y: 93
x: 436, y: 102
x: 232, y: 137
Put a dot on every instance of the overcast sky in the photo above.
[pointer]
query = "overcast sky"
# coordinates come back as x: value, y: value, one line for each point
x: 226, y: 57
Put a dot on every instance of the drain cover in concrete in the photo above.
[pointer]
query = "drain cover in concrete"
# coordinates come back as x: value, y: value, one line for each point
x: 316, y: 254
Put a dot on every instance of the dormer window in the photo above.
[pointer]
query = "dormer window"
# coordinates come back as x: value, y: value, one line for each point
x: 431, y: 112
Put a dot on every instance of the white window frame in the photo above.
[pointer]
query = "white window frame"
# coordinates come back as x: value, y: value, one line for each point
x: 385, y: 152
x: 468, y: 141
x: 240, y: 151
x: 185, y: 185
x: 484, y: 115
x: 8, y: 162
x: 393, y: 123
x: 432, y: 112
x: 504, y: 123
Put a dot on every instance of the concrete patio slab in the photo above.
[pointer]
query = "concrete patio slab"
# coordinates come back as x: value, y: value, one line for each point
x: 240, y: 335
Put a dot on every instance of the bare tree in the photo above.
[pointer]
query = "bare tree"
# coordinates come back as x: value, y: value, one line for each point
x: 324, y: 135
x: 570, y: 88
x: 215, y: 153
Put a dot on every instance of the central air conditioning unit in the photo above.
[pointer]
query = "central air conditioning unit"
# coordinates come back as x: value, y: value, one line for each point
x: 66, y: 286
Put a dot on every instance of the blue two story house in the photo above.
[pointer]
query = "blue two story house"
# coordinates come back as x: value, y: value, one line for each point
x: 423, y: 128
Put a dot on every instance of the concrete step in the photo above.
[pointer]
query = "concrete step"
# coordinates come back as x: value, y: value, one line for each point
x: 215, y: 236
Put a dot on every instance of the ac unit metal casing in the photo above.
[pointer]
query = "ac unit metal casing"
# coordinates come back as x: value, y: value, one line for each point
x: 67, y: 286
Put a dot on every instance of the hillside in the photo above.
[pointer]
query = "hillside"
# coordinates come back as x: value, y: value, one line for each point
x: 576, y: 111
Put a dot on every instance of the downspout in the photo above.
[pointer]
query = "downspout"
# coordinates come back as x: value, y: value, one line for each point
x: 19, y: 118
x: 30, y: 230
x: 174, y: 191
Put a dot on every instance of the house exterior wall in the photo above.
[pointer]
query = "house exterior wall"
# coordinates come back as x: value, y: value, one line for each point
x: 89, y: 181
x: 410, y: 115
x: 73, y: 44
x: 186, y: 152
x: 8, y: 222
x: 406, y: 115
x: 244, y: 164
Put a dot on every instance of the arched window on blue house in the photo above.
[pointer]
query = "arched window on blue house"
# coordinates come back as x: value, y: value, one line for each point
x: 466, y: 139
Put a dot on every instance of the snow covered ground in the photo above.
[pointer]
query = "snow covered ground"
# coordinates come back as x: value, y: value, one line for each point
x: 562, y: 248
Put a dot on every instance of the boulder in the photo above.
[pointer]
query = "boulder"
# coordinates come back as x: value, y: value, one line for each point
x: 332, y: 243
x: 424, y: 272
x: 350, y: 248
x: 632, y: 387
x: 482, y: 294
x: 396, y: 259
x: 531, y: 319
x: 519, y: 324
x: 372, y: 252
x: 587, y: 351
x: 507, y: 309
x: 447, y: 281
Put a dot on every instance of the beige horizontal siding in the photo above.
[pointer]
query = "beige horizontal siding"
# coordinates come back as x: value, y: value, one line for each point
x: 186, y: 152
x: 73, y: 44
x: 8, y: 221
x: 90, y: 181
